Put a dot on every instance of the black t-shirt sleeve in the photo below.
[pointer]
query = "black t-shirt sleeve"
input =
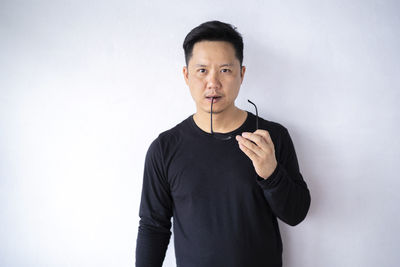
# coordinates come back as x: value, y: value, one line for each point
x: 285, y: 190
x: 155, y: 211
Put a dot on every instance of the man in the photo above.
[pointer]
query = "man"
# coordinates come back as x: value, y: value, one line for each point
x: 224, y: 174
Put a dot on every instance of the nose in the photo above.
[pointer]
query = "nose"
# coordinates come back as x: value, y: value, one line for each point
x: 213, y: 80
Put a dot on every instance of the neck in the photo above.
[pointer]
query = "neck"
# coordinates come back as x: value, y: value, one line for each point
x: 223, y: 122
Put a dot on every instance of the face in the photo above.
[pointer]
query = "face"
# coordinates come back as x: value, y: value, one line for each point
x: 214, y: 70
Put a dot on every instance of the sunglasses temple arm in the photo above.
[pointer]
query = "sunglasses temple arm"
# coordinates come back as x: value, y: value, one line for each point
x: 256, y: 113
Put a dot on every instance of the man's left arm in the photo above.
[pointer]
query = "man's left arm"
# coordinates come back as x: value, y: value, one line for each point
x: 283, y: 185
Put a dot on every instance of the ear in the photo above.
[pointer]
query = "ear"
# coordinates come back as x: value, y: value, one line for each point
x: 186, y: 74
x: 242, y: 71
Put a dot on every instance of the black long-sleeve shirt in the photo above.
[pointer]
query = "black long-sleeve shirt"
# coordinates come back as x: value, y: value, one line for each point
x: 224, y: 214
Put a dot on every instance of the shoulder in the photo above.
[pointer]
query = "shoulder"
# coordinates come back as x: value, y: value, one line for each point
x: 174, y: 134
x: 171, y: 138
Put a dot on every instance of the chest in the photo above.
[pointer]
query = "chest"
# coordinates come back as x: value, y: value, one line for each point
x: 211, y: 171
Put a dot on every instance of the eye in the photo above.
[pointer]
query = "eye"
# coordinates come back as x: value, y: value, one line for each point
x: 225, y: 70
x: 201, y: 70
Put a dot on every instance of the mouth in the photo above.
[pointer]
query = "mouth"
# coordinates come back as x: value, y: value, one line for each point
x: 216, y: 98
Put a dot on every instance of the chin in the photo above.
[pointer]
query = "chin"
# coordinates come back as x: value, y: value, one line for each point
x: 215, y: 111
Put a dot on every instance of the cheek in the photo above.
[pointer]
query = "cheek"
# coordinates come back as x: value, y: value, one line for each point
x: 196, y: 90
x: 234, y: 86
x: 196, y: 82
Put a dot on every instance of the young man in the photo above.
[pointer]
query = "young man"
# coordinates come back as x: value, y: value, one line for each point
x: 224, y: 174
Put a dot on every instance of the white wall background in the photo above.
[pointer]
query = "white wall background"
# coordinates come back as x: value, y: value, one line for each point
x: 87, y: 85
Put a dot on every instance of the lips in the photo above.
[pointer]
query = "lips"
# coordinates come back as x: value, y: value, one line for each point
x: 216, y: 98
x: 211, y: 96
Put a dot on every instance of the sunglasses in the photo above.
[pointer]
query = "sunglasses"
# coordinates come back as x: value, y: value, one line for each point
x: 224, y: 137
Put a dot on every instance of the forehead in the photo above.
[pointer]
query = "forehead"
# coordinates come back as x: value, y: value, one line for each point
x: 213, y: 52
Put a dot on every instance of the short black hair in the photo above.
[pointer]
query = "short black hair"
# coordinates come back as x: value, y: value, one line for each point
x: 214, y: 31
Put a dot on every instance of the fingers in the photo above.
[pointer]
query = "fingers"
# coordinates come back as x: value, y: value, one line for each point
x: 258, y: 138
x: 247, y: 143
x: 253, y: 156
x: 258, y: 146
x: 265, y: 134
x: 267, y: 138
x: 262, y: 142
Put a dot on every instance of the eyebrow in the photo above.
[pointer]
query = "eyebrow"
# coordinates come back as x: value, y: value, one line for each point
x: 222, y: 65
